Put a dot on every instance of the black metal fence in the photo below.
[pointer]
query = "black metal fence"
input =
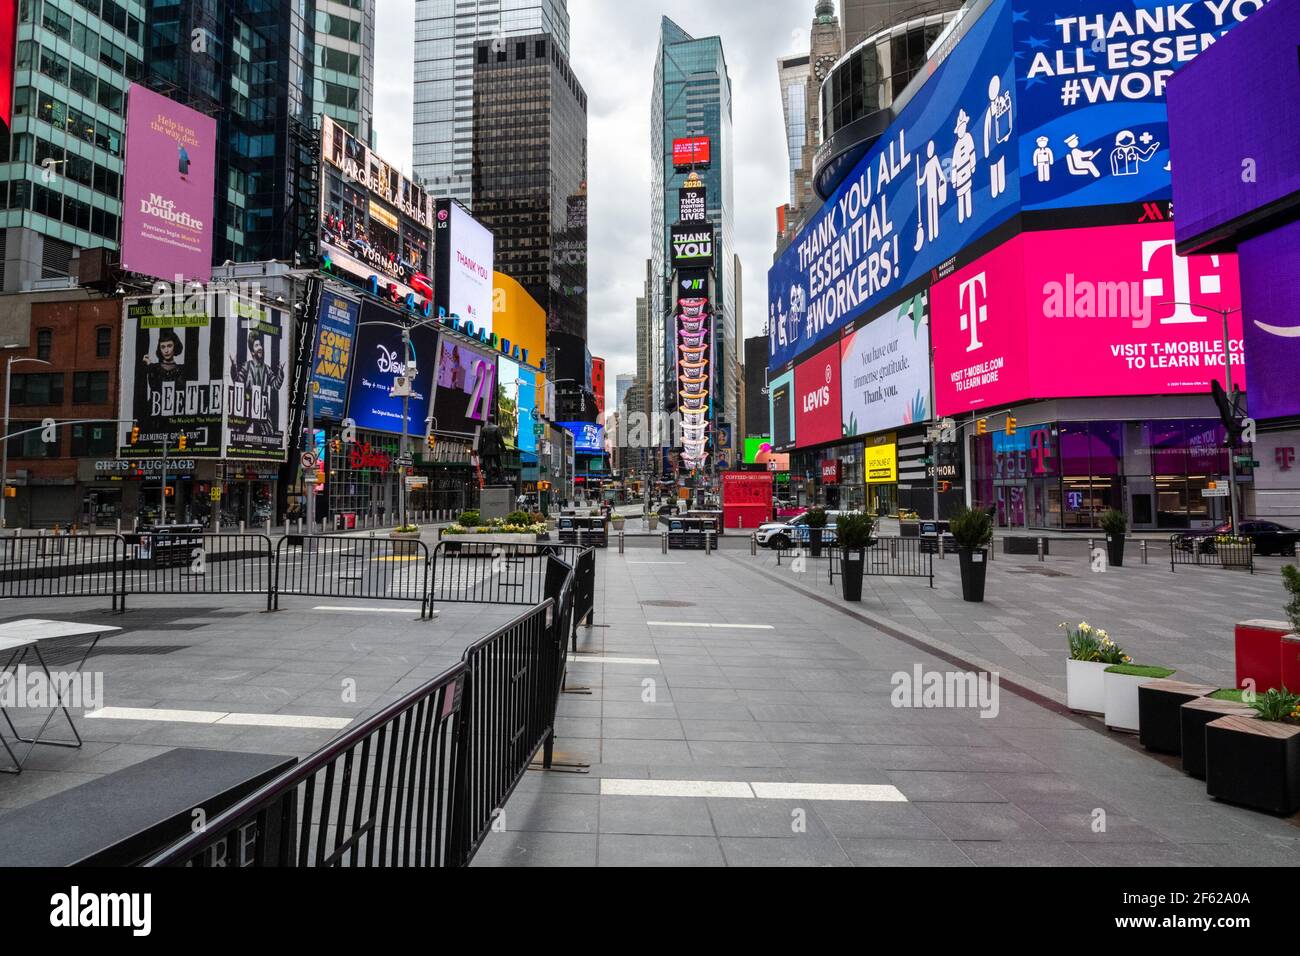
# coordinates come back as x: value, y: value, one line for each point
x: 421, y: 782
x: 890, y: 556
x: 48, y: 566
x: 485, y: 572
x: 1203, y: 550
x: 343, y: 566
x: 197, y: 564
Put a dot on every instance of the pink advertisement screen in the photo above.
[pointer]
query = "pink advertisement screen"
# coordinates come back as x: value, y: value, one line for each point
x: 167, y: 194
x: 1084, y: 312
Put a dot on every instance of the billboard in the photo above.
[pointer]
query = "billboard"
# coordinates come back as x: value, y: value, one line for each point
x: 694, y: 335
x: 8, y: 34
x: 375, y: 224
x: 1270, y: 289
x: 880, y: 463
x: 1237, y: 158
x: 217, y: 375
x: 465, y: 261
x: 332, y: 358
x: 781, y: 410
x: 1093, y: 128
x: 1083, y: 312
x: 817, y: 398
x: 257, y: 397
x: 465, y: 388
x: 942, y: 175
x: 692, y: 245
x: 509, y: 385
x: 691, y: 151
x: 692, y: 202
x: 529, y: 425
x: 167, y: 188
x: 885, y: 370
x: 588, y: 437
x: 377, y: 360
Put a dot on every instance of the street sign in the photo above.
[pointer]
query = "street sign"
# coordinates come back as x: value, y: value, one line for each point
x: 308, y: 460
x: 1215, y: 492
x: 403, y: 461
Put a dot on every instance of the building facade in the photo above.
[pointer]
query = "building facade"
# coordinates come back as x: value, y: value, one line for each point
x: 691, y: 97
x: 793, y: 73
x: 529, y: 171
x: 446, y: 34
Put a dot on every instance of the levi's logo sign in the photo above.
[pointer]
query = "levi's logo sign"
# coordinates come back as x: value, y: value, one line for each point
x: 819, y: 398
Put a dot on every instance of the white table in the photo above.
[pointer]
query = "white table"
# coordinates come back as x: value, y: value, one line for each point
x: 17, y: 638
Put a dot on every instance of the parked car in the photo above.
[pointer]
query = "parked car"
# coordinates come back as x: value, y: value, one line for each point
x: 1268, y: 537
x: 781, y: 534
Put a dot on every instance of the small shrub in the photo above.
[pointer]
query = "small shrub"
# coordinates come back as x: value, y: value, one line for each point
x: 971, y: 529
x: 1291, y: 578
x: 469, y: 519
x: 518, y: 517
x: 815, y: 517
x: 853, y: 530
x: 1276, y: 704
x: 1114, y: 523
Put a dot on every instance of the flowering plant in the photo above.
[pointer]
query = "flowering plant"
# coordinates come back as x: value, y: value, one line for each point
x: 1088, y: 643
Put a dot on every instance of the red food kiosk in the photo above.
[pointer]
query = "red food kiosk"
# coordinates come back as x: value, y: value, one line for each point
x: 746, y: 498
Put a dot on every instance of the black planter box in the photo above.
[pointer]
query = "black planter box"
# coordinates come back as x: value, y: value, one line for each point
x: 852, y: 564
x: 1115, y: 551
x: 815, y: 542
x: 1018, y: 544
x: 1192, y: 718
x: 1159, y: 706
x: 1254, y: 763
x: 974, y: 566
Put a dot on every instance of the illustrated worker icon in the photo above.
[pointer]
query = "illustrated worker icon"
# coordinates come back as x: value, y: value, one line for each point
x: 1080, y: 161
x: 935, y: 184
x: 1127, y: 157
x: 963, y: 166
x: 1043, y: 159
x: 997, y: 130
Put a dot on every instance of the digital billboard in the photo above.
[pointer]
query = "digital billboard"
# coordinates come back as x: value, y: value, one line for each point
x: 529, y: 414
x: 1238, y: 158
x: 257, y: 396
x: 375, y: 224
x: 1083, y: 312
x: 8, y: 34
x: 377, y: 360
x: 588, y: 437
x: 167, y: 188
x: 694, y: 364
x: 332, y: 358
x: 943, y: 174
x: 1092, y: 123
x: 692, y: 202
x: 466, y: 392
x: 465, y: 261
x: 692, y: 245
x: 885, y: 370
x: 817, y: 398
x: 780, y: 393
x: 507, y: 410
x: 691, y: 151
x: 1270, y: 289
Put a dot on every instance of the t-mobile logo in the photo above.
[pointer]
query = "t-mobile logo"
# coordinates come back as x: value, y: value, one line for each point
x: 976, y: 312
x: 1155, y: 292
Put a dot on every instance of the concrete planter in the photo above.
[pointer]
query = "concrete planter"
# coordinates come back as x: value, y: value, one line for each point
x: 406, y: 535
x: 502, y: 538
x: 1085, y: 686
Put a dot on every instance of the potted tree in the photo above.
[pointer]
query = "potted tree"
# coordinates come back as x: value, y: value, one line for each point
x: 1256, y: 763
x: 815, y: 520
x: 972, y: 531
x: 1121, y: 683
x: 1091, y: 652
x: 853, y: 531
x: 1115, y: 525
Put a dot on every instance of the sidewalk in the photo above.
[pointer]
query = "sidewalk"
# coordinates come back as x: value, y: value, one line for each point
x: 714, y: 678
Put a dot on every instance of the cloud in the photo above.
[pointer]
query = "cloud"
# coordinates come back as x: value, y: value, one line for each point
x: 612, y: 51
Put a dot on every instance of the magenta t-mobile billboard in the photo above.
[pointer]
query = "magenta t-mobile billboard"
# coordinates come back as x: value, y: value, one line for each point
x: 167, y: 193
x: 1109, y: 310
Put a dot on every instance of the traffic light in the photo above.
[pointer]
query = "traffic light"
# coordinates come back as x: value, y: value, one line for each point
x: 945, y: 487
x: 169, y: 492
x: 135, y: 434
x: 1011, y: 424
x: 182, y: 442
x: 982, y: 427
x: 336, y: 446
x: 431, y: 441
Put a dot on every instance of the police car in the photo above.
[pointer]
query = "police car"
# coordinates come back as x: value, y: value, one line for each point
x: 794, y: 531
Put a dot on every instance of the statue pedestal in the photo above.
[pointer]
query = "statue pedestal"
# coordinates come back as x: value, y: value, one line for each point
x: 496, y: 501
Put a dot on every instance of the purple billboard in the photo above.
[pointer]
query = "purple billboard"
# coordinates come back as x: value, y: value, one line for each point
x: 1234, y: 130
x: 1270, y: 287
x: 167, y: 193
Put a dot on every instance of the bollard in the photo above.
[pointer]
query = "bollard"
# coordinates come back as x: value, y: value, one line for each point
x: 268, y: 527
x: 708, y: 543
x: 1144, y: 551
x: 663, y: 540
x: 942, y: 553
x: 1040, y: 548
x: 1092, y: 546
x: 119, y: 525
x: 620, y: 542
x: 992, y: 549
x: 753, y: 543
x: 241, y: 526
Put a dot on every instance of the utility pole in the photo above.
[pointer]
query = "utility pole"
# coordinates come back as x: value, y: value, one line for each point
x: 4, y: 468
x: 409, y: 370
x: 163, y: 494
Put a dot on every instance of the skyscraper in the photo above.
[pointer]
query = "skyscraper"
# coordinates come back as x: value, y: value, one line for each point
x: 446, y: 32
x: 691, y: 98
x: 530, y: 170
x: 860, y: 19
x: 793, y: 73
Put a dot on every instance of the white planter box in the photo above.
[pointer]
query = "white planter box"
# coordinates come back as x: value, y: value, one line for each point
x: 1085, y: 686
x: 1122, y: 701
x: 501, y: 538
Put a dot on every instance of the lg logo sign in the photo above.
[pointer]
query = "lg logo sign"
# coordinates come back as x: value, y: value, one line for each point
x: 973, y: 296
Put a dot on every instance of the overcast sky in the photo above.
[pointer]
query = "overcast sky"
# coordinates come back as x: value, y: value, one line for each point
x: 612, y: 49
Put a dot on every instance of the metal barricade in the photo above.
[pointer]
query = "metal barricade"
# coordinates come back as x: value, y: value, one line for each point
x: 197, y: 563
x: 1190, y: 549
x: 890, y: 556
x: 82, y: 566
x: 348, y: 566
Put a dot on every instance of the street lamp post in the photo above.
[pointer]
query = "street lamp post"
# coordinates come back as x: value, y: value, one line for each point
x: 1227, y: 383
x: 4, y: 455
